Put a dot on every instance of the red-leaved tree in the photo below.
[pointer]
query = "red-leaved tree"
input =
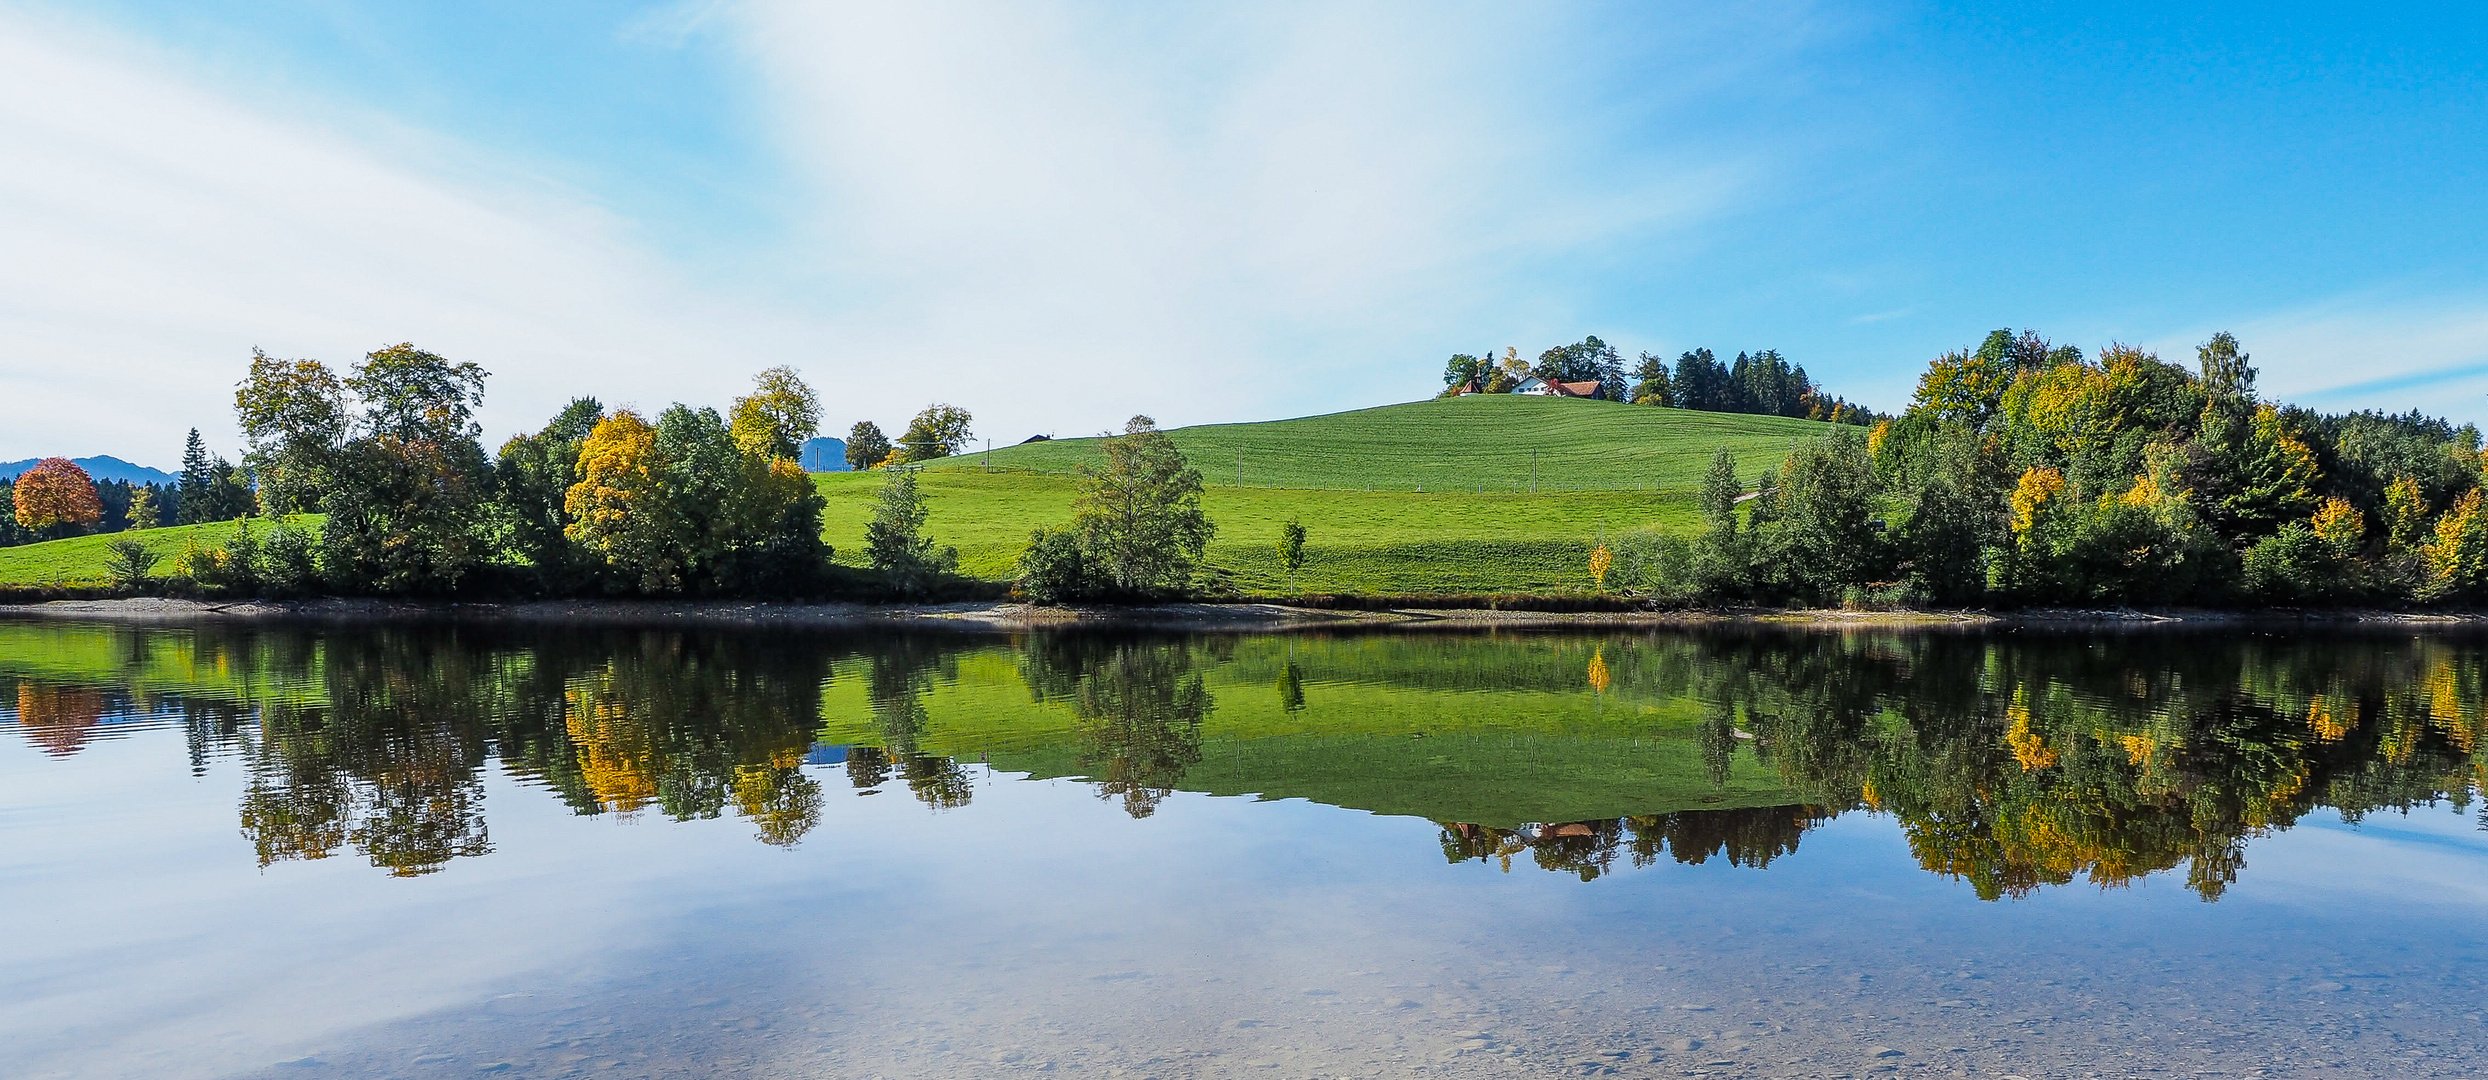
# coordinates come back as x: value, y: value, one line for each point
x: 56, y: 496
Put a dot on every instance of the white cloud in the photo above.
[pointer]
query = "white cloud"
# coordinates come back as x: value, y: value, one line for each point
x: 2364, y: 351
x: 1055, y: 215
x: 155, y: 232
x: 1113, y: 210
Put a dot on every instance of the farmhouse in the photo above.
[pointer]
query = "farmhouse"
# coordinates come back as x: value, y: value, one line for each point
x: 1536, y: 385
x: 1552, y: 388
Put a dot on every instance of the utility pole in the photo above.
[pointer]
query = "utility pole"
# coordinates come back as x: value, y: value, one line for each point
x: 989, y: 455
x: 1533, y: 472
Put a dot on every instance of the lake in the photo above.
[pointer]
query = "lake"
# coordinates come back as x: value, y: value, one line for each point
x: 460, y: 851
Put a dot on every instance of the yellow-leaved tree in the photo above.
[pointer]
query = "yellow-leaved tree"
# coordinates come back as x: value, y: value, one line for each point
x: 618, y: 509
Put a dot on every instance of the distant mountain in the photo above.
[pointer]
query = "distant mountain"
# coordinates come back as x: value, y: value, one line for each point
x: 823, y: 455
x: 101, y: 468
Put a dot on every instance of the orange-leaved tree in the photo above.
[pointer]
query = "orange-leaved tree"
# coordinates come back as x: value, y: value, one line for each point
x: 55, y: 496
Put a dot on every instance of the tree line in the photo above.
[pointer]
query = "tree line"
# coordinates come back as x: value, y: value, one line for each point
x: 1761, y: 383
x: 376, y: 482
x: 2026, y: 473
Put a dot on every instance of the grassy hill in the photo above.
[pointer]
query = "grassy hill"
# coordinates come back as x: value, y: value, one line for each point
x: 79, y: 560
x: 1426, y: 497
x: 1473, y: 494
x: 1478, y: 443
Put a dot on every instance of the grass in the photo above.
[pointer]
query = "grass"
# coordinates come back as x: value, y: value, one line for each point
x: 1427, y: 497
x: 1476, y: 444
x: 78, y: 562
x: 1481, y: 494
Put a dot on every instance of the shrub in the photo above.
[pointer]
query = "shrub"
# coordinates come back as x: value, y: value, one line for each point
x: 128, y: 562
x: 1053, y: 570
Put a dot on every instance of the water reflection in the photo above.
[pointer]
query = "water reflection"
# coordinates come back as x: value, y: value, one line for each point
x: 2013, y: 763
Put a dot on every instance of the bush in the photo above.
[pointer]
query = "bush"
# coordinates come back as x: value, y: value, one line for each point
x: 1053, y: 570
x: 128, y: 562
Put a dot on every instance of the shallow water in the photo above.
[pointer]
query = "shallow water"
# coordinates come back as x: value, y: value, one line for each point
x: 433, y: 852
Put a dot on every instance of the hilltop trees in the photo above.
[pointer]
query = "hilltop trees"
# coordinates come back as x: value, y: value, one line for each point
x: 867, y: 447
x: 938, y: 432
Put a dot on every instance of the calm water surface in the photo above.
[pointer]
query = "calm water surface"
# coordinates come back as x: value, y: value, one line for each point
x: 437, y: 852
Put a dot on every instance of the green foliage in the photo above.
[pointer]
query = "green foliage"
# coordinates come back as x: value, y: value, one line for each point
x: 1589, y: 360
x: 939, y: 431
x: 408, y: 498
x: 128, y: 562
x: 293, y: 415
x: 1139, y: 516
x: 1651, y: 384
x: 1291, y: 548
x: 867, y: 447
x: 895, y: 540
x: 777, y: 416
x: 1053, y: 570
x: 535, y: 474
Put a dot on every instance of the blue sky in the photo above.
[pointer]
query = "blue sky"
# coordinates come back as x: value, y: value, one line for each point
x: 1060, y: 214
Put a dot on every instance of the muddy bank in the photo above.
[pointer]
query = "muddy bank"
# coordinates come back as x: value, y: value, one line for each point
x: 986, y: 616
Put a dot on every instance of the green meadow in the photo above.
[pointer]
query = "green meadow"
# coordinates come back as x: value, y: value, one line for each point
x: 1483, y: 494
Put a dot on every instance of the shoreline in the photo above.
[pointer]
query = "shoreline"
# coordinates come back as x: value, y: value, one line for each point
x: 1005, y: 617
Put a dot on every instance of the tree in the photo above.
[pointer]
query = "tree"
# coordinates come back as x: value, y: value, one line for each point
x: 617, y: 509
x: 895, y: 539
x: 1823, y: 538
x: 1651, y: 385
x: 56, y: 498
x: 1053, y: 569
x: 293, y: 416
x: 938, y: 432
x: 536, y: 473
x: 1463, y: 372
x: 867, y: 447
x: 1589, y: 360
x: 777, y: 416
x: 193, y: 506
x: 2224, y: 366
x: 408, y: 495
x: 1719, y: 558
x: 143, y: 511
x: 1291, y: 550
x: 1701, y: 382
x: 1139, y: 517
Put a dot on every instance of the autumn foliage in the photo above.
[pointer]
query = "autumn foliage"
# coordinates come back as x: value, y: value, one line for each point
x: 56, y: 493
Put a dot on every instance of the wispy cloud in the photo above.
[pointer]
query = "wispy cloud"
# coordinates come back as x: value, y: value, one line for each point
x: 1056, y: 214
x: 2368, y: 350
x: 157, y: 232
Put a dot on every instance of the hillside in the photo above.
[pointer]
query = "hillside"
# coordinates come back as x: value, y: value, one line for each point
x: 1426, y: 497
x: 1494, y: 442
x: 79, y: 560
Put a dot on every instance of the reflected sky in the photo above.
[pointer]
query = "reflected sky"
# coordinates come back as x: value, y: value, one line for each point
x: 1168, y: 857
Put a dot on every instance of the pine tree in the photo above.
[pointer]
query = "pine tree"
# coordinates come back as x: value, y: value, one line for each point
x: 198, y: 478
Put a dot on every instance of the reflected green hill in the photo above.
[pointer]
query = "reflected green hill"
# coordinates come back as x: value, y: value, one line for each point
x: 1496, y: 733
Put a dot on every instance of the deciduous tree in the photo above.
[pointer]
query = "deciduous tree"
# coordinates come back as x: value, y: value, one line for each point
x: 56, y: 498
x: 777, y: 416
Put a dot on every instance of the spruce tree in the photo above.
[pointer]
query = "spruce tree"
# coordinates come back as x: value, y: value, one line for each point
x: 198, y: 478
